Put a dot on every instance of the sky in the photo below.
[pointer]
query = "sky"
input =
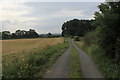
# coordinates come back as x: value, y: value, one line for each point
x: 44, y: 17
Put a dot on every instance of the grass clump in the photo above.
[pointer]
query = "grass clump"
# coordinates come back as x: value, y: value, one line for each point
x: 75, y: 65
x: 108, y: 67
x: 35, y: 64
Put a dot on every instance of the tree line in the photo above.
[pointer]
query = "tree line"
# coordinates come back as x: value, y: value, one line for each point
x: 20, y: 34
x: 77, y: 27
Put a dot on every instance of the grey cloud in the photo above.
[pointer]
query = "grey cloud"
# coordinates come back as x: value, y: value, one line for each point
x: 53, y: 24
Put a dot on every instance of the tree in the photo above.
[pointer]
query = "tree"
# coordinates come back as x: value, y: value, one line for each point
x: 6, y: 35
x: 76, y: 27
x: 20, y: 34
x: 0, y: 35
x: 33, y: 34
x: 49, y: 35
x: 107, y: 20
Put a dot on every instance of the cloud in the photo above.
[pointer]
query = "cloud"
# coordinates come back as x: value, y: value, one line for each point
x: 43, y: 17
x: 13, y: 11
x: 50, y: 10
x: 57, y: 0
x: 62, y: 13
x: 68, y: 13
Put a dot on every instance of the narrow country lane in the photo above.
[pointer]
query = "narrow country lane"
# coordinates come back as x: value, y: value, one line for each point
x: 61, y: 68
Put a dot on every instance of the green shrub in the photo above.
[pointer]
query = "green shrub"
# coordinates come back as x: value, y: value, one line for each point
x: 107, y: 66
x: 76, y: 38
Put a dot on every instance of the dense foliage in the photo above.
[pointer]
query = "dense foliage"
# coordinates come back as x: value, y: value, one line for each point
x: 77, y: 27
x: 107, y: 20
x: 20, y: 34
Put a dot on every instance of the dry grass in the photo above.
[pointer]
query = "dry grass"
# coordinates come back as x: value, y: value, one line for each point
x: 18, y: 49
x: 19, y: 52
x: 79, y: 43
x: 18, y: 45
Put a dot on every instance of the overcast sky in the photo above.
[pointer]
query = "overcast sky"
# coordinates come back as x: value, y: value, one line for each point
x: 44, y: 17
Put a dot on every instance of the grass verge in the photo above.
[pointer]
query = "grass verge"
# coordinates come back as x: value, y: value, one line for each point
x: 108, y: 67
x: 75, y: 65
x: 33, y: 65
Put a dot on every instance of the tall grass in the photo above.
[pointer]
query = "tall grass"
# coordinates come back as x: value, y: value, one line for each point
x: 75, y: 65
x: 108, y: 67
x: 33, y: 65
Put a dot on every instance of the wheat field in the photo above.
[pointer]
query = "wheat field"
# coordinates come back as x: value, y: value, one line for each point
x: 18, y: 45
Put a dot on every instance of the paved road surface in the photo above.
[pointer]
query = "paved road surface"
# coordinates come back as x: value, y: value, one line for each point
x: 62, y: 66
